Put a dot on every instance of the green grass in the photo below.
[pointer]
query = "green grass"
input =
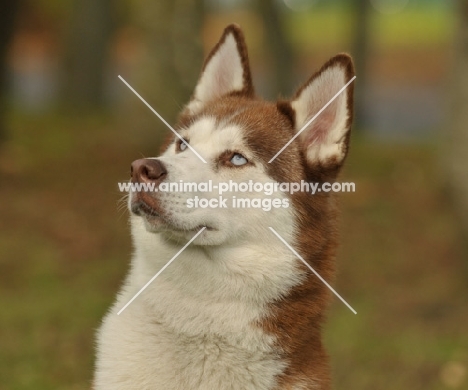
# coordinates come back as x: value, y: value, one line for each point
x: 64, y: 249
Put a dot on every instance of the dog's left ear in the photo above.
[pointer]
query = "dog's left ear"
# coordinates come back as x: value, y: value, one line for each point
x: 325, y: 140
x: 226, y: 71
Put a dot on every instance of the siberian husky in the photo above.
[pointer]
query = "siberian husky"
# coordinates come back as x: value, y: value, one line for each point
x: 236, y: 310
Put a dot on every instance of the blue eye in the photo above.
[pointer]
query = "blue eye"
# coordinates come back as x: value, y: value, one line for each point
x: 238, y: 159
x: 183, y: 145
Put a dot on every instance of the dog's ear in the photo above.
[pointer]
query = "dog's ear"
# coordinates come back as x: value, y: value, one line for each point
x: 226, y: 71
x: 325, y: 139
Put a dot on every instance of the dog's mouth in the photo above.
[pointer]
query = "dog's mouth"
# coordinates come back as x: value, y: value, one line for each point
x: 141, y: 208
x: 154, y: 215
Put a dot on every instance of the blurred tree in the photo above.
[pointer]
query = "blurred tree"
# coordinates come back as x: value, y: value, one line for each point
x: 173, y: 51
x: 278, y: 48
x: 89, y: 34
x: 360, y: 54
x: 457, y: 152
x: 8, y: 12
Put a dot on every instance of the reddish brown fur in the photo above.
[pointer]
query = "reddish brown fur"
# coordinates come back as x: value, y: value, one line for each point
x: 297, y: 318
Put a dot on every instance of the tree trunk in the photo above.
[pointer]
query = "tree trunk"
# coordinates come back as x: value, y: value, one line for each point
x: 278, y: 48
x: 173, y: 55
x: 360, y: 55
x: 87, y: 48
x: 8, y: 12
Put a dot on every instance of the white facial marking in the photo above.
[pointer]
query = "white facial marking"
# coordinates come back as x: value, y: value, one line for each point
x: 197, y: 325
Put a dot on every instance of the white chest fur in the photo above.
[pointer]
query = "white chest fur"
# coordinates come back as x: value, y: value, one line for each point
x: 196, y: 326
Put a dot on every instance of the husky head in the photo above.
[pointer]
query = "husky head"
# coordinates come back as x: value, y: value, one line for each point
x: 237, y: 135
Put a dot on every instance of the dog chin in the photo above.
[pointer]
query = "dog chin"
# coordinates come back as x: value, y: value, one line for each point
x: 156, y: 222
x: 175, y: 232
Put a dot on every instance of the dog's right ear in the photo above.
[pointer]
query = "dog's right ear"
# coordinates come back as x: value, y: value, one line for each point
x: 226, y: 71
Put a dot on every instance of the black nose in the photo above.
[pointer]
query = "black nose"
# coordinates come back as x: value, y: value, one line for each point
x: 148, y: 170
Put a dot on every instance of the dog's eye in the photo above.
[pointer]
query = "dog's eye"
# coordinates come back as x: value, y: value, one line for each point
x: 182, y: 145
x: 238, y: 159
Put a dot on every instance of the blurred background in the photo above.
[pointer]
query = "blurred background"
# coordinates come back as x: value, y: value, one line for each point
x: 69, y: 129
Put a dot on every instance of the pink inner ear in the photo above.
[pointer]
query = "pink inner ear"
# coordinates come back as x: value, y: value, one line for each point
x: 222, y: 82
x: 317, y: 132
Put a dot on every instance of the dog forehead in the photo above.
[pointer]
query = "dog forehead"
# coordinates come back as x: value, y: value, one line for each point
x: 256, y: 127
x: 256, y: 120
x: 209, y: 132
